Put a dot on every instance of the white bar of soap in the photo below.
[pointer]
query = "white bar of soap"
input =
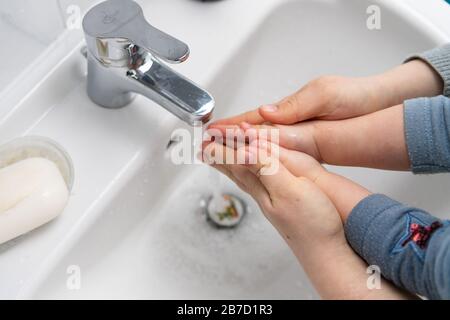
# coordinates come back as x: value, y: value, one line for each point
x: 32, y: 193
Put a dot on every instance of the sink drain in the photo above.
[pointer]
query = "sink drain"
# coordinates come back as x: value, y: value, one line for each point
x: 225, y: 210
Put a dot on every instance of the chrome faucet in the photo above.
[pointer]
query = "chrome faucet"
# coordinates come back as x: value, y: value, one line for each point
x: 124, y: 59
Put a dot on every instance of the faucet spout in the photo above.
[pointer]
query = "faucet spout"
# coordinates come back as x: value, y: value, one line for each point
x: 124, y: 59
x: 171, y: 90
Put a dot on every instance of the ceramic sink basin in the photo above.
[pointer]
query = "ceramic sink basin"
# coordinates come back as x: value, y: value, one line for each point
x: 134, y: 227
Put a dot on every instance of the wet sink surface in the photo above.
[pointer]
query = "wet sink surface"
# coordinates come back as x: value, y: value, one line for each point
x: 177, y: 254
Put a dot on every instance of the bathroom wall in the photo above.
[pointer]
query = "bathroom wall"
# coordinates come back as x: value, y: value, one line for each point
x: 29, y: 27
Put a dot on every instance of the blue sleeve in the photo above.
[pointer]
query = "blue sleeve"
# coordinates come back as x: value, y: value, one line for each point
x: 411, y: 247
x: 427, y: 134
x: 439, y: 59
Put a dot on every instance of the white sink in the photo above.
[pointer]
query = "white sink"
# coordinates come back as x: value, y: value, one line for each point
x: 134, y: 225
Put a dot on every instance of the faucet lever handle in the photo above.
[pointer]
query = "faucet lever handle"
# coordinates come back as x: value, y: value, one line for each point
x: 124, y: 19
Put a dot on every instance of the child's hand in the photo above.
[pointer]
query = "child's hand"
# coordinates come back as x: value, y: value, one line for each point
x: 329, y: 97
x: 299, y: 210
x: 305, y: 217
x: 304, y: 137
x: 336, y: 98
x: 376, y: 140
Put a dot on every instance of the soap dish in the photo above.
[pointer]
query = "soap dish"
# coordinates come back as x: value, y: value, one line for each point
x: 38, y: 147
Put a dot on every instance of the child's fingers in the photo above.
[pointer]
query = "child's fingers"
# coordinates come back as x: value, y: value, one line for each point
x: 241, y: 175
x: 307, y: 103
x: 236, y: 135
x: 270, y: 171
x: 260, y: 159
x: 300, y: 164
x: 299, y: 137
x: 252, y: 117
x: 295, y: 137
x: 232, y: 135
x: 221, y: 153
x: 287, y: 111
x: 248, y: 182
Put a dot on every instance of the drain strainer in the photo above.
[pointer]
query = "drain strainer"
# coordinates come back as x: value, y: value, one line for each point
x: 225, y: 210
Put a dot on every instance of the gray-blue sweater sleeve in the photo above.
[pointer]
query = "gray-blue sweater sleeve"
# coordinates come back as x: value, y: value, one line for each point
x: 427, y: 133
x: 439, y: 59
x: 411, y: 247
x: 381, y: 231
x: 379, y: 228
